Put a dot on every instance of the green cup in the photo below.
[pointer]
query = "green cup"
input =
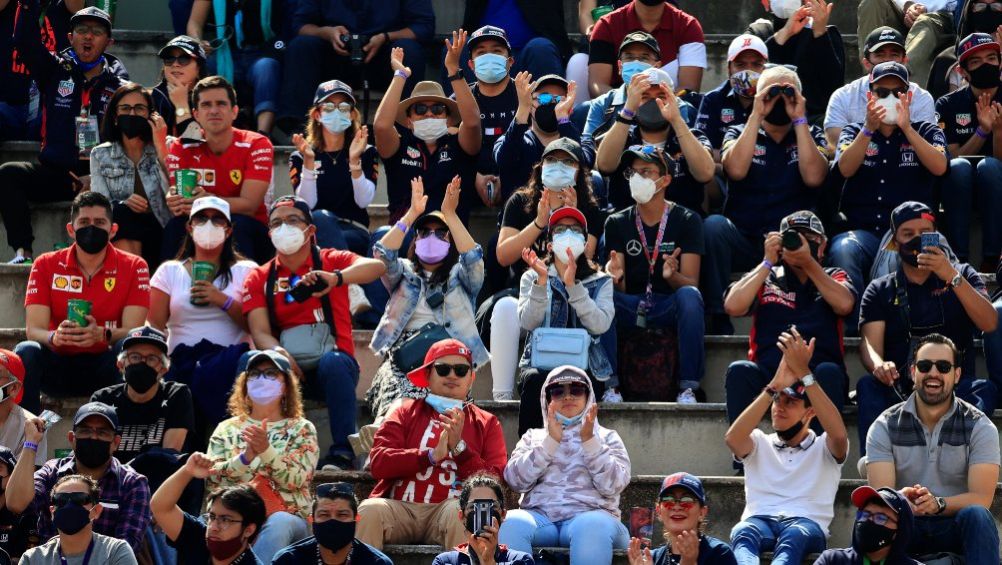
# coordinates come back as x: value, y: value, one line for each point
x: 77, y: 311
x: 186, y: 181
x: 201, y: 271
x: 108, y: 6
x: 600, y: 11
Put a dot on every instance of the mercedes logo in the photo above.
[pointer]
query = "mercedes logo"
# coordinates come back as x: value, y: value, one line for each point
x: 633, y: 247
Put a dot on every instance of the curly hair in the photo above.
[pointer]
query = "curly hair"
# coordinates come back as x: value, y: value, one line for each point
x: 239, y: 403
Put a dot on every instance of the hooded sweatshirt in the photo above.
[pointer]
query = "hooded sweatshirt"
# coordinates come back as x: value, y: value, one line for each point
x: 562, y: 480
x: 897, y: 556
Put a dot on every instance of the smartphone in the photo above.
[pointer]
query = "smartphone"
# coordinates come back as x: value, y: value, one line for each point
x: 490, y: 192
x: 642, y: 523
x: 482, y: 515
x: 50, y: 418
x: 930, y: 239
x: 302, y: 292
x: 435, y: 299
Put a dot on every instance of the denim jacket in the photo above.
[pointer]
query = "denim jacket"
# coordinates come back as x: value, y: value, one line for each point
x: 407, y: 287
x: 593, y: 307
x: 113, y: 174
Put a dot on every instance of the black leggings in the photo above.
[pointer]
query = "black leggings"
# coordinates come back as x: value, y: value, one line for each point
x: 24, y: 182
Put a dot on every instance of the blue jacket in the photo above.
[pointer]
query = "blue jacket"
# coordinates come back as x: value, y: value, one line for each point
x: 113, y: 174
x: 368, y: 17
x: 897, y: 556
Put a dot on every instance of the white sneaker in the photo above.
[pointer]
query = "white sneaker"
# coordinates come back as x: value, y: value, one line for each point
x: 611, y: 395
x: 357, y: 302
x: 686, y: 397
x: 499, y: 396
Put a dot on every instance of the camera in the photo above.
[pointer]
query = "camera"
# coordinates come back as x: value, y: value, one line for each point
x: 354, y: 43
x: 787, y: 90
x: 481, y: 516
x: 791, y: 240
x: 302, y: 292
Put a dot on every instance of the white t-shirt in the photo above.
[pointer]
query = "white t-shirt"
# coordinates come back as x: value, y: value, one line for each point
x: 847, y: 105
x: 796, y: 481
x: 189, y: 324
x: 12, y: 434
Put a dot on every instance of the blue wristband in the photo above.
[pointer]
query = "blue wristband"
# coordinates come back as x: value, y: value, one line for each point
x: 243, y: 459
x: 31, y: 445
x: 867, y: 132
x: 767, y: 264
x: 400, y: 225
x: 799, y: 122
x: 563, y: 121
x: 977, y: 132
x: 431, y: 457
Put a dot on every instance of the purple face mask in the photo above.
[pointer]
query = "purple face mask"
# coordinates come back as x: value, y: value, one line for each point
x: 431, y: 250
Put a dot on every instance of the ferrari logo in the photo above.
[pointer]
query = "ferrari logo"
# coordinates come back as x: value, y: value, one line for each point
x: 236, y: 176
x: 109, y: 284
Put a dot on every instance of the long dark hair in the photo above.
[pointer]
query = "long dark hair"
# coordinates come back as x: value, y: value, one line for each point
x: 534, y: 189
x: 109, y: 124
x: 227, y: 258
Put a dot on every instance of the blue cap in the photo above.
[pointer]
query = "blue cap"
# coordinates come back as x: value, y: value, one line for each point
x: 686, y: 481
x: 889, y: 69
x: 293, y: 202
x: 145, y: 334
x: 910, y: 210
x: 975, y: 42
x: 488, y: 32
x: 326, y: 89
x: 275, y: 357
x: 96, y: 409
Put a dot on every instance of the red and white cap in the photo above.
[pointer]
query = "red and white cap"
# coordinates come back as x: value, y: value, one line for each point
x: 12, y: 362
x: 568, y: 212
x: 438, y: 350
x: 747, y: 42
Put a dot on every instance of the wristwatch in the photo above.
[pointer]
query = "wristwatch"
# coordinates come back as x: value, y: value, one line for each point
x: 457, y: 76
x: 956, y: 280
x: 458, y: 450
x: 181, y: 112
x: 942, y: 504
x: 808, y: 380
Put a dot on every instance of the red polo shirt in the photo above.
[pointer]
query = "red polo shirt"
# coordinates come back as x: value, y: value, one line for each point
x: 123, y: 280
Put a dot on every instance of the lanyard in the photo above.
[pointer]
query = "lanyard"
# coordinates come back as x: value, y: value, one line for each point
x: 85, y: 101
x: 651, y: 254
x: 86, y: 559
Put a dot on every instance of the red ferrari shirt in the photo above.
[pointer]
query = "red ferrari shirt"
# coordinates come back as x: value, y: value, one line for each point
x: 249, y: 157
x: 123, y: 280
x: 290, y: 313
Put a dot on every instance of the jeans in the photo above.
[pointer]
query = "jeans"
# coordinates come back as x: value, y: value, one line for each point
x: 250, y: 236
x: 16, y: 124
x: 854, y: 252
x: 60, y: 375
x: 727, y: 249
x: 30, y: 182
x: 262, y: 74
x: 789, y: 539
x: 682, y: 310
x: 161, y: 551
x: 591, y: 535
x: 993, y: 352
x: 745, y: 380
x: 971, y: 533
x: 539, y: 56
x: 965, y: 184
x: 180, y: 11
x: 280, y: 530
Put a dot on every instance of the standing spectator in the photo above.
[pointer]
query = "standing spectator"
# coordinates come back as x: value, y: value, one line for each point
x: 774, y: 164
x: 950, y: 487
x: 13, y: 416
x: 354, y: 43
x: 125, y: 494
x: 929, y: 26
x: 18, y: 532
x: 791, y: 475
x: 116, y: 285
x: 571, y: 473
x: 926, y: 294
x: 425, y: 449
x: 76, y: 83
x: 183, y: 60
x: 315, y: 334
x: 655, y: 250
x: 729, y: 104
x: 233, y: 164
x: 679, y: 35
x: 883, y: 529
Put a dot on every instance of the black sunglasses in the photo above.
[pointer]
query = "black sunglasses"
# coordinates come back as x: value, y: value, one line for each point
x: 560, y: 391
x: 443, y: 369
x: 439, y: 232
x: 61, y: 499
x: 437, y: 109
x: 942, y: 367
x: 182, y: 59
x: 882, y: 92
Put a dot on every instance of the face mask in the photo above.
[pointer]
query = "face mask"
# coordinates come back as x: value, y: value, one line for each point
x: 909, y: 250
x: 558, y: 176
x: 490, y: 68
x: 91, y: 239
x: 869, y: 537
x: 264, y: 390
x: 134, y: 126
x: 649, y: 117
x: 642, y: 189
x: 442, y: 404
x: 92, y: 453
x: 336, y: 121
x: 85, y: 66
x: 334, y: 534
x: 140, y: 377
x: 985, y: 76
x: 778, y: 116
x: 224, y: 549
x: 431, y: 250
x: 568, y: 422
x: 208, y: 236
x: 986, y: 22
x: 631, y: 68
x: 791, y: 432
x: 783, y: 9
x: 743, y: 83
x: 545, y: 118
x: 430, y: 129
x: 71, y: 518
x: 287, y: 239
x: 652, y: 2
x: 575, y: 242
x: 890, y: 106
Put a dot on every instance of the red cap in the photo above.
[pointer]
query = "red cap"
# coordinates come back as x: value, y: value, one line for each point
x: 438, y: 350
x: 568, y: 212
x: 12, y: 362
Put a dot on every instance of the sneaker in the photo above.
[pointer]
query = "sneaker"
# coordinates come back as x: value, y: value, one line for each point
x: 687, y: 396
x: 20, y: 259
x: 499, y: 396
x: 357, y: 302
x: 612, y: 395
x: 337, y: 463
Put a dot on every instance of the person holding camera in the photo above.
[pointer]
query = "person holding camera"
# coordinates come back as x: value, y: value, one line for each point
x: 926, y: 294
x: 790, y: 289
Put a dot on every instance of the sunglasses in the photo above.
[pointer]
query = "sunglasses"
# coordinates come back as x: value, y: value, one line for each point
x: 881, y: 92
x: 61, y: 499
x: 182, y: 60
x: 875, y: 517
x: 218, y: 221
x: 443, y: 369
x: 686, y: 502
x: 328, y: 107
x: 546, y: 98
x: 438, y: 232
x: 437, y: 109
x: 560, y: 391
x: 942, y: 367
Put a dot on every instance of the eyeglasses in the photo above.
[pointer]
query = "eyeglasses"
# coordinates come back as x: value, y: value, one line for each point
x: 224, y: 521
x: 881, y: 92
x: 294, y: 221
x: 557, y: 230
x: 547, y: 98
x: 644, y: 58
x: 134, y: 109
x: 686, y: 502
x: 942, y: 367
x: 437, y: 109
x: 273, y: 374
x: 328, y: 107
x: 567, y: 162
x: 201, y: 219
x: 981, y: 7
x: 443, y: 369
x: 644, y: 173
x: 439, y: 232
x: 182, y: 60
x: 61, y: 499
x: 103, y: 434
x: 560, y: 391
x: 137, y: 358
x: 95, y: 30
x: 875, y: 517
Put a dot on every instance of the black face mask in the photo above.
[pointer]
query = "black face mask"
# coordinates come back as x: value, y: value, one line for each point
x: 92, y: 239
x: 909, y: 250
x: 791, y: 432
x: 134, y: 126
x: 649, y: 117
x: 986, y: 22
x: 70, y: 518
x: 778, y: 116
x: 545, y: 118
x: 334, y: 534
x: 985, y: 76
x: 92, y: 453
x: 869, y: 537
x: 140, y: 377
x: 652, y: 2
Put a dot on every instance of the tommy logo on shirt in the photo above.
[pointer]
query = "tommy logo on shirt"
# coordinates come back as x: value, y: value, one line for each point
x: 67, y: 283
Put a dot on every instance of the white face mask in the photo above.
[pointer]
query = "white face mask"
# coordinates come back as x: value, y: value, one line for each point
x: 430, y: 129
x: 287, y: 239
x: 783, y: 9
x: 575, y: 242
x: 890, y: 105
x: 642, y: 189
x: 263, y: 390
x: 208, y: 235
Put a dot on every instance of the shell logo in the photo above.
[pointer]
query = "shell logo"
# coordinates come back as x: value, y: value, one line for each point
x: 61, y: 282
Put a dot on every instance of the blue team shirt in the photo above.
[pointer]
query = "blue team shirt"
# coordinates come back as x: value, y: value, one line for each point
x: 958, y: 117
x: 719, y: 110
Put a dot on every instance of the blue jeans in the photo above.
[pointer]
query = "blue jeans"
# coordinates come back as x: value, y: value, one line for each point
x: 854, y: 252
x: 262, y: 74
x: 965, y: 184
x: 745, y: 380
x: 539, y: 56
x: 727, y: 249
x: 280, y: 530
x: 16, y: 124
x: 682, y: 310
x: 59, y: 375
x: 591, y: 535
x: 161, y: 551
x: 993, y: 352
x: 789, y: 539
x: 971, y: 533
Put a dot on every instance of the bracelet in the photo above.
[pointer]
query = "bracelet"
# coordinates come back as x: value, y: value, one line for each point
x: 30, y: 445
x: 628, y: 114
x: 770, y: 391
x: 978, y: 133
x: 538, y: 227
x: 401, y: 74
x: 226, y: 305
x: 431, y: 457
x: 622, y: 120
x: 799, y: 122
x: 867, y: 132
x: 563, y: 121
x: 457, y: 76
x: 340, y: 278
x: 243, y: 459
x: 400, y: 225
x: 386, y: 34
x: 52, y: 338
x: 767, y: 264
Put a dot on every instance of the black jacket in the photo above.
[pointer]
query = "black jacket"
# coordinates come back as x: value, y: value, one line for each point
x: 897, y: 556
x: 820, y: 64
x: 546, y: 19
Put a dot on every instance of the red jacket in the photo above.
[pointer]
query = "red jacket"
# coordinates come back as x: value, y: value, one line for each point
x: 399, y: 457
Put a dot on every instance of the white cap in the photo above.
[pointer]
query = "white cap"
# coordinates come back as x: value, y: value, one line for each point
x: 210, y: 203
x: 747, y: 42
x: 658, y: 76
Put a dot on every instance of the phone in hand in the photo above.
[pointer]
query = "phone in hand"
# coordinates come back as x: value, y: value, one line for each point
x: 481, y: 516
x: 930, y: 239
x: 302, y: 292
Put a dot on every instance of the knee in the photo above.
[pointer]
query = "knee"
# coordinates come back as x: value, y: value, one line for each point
x: 411, y: 47
x: 517, y: 523
x: 714, y: 226
x: 739, y: 372
x: 539, y: 44
x: 505, y: 311
x: 689, y: 299
x: 868, y: 387
x: 304, y: 45
x: 28, y: 351
x: 594, y: 522
x: 376, y: 510
x: 746, y: 533
x: 338, y: 368
x: 265, y: 68
x: 975, y: 516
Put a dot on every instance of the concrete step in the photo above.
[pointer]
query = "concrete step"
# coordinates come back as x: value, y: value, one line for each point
x: 424, y: 554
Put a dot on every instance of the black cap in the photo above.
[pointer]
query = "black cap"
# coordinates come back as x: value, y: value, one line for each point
x: 649, y: 154
x: 294, y: 202
x: 565, y: 144
x: 145, y: 334
x: 488, y: 32
x: 804, y: 219
x: 331, y: 87
x: 8, y: 459
x: 96, y: 409
x: 92, y: 13
x: 430, y: 216
x: 185, y: 43
x: 881, y: 36
x: 549, y: 79
x: 910, y: 210
x: 641, y: 37
x: 889, y: 69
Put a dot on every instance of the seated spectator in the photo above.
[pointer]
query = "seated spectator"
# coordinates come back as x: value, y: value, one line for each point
x: 427, y: 135
x: 790, y: 289
x: 881, y: 162
x: 425, y: 449
x: 482, y: 545
x: 929, y: 26
x: 679, y: 35
x: 848, y: 104
x: 774, y: 164
x: 571, y: 473
x: 231, y: 163
x: 436, y: 284
x: 951, y: 487
x: 656, y: 113
x: 926, y: 294
x: 124, y: 495
x: 353, y: 42
x: 18, y: 532
x: 729, y: 104
x: 80, y: 302
x: 969, y: 119
x: 791, y: 475
x: 655, y: 250
x: 564, y: 289
x: 883, y: 528
x: 335, y: 519
x: 971, y: 16
x: 682, y: 509
x: 65, y: 80
x: 205, y: 325
x: 13, y: 416
x: 589, y: 12
x: 183, y: 60
x: 270, y: 445
x: 127, y: 169
x: 315, y: 334
x: 224, y: 534
x: 76, y: 509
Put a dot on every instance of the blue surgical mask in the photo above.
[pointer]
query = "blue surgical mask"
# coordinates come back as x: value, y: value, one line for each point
x: 631, y: 68
x: 568, y: 422
x: 442, y: 404
x: 490, y: 68
x: 336, y: 121
x: 558, y: 176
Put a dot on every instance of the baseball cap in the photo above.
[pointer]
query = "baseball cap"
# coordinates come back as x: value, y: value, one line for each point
x: 291, y: 202
x: 185, y: 43
x: 210, y: 203
x: 686, y: 481
x: 439, y: 349
x: 649, y: 154
x: 93, y: 13
x: 658, y: 76
x: 974, y: 43
x: 881, y: 36
x: 488, y: 32
x: 796, y: 391
x: 433, y: 215
x: 804, y: 219
x: 567, y: 374
x: 889, y: 69
x: 12, y: 362
x: 96, y: 409
x: 910, y: 210
x: 549, y: 79
x: 8, y: 459
x: 864, y: 494
x: 747, y: 42
x: 275, y: 357
x: 568, y: 212
x: 643, y: 38
x: 331, y: 87
x: 145, y: 334
x: 573, y: 148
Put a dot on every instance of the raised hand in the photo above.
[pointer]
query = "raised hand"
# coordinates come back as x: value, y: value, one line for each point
x: 773, y: 246
x: 358, y: 145
x: 453, y: 49
x: 613, y: 267
x: 256, y: 439
x: 454, y: 420
x: 571, y: 271
x: 451, y: 200
x: 797, y: 352
x: 536, y: 264
x: 199, y: 466
x: 303, y: 146
x: 670, y: 265
x: 639, y: 553
x: 904, y: 120
x: 588, y: 423
x: 523, y: 87
x: 397, y: 61
x: 874, y: 113
x: 566, y: 104
x: 553, y: 427
x: 419, y: 200
x: 639, y: 84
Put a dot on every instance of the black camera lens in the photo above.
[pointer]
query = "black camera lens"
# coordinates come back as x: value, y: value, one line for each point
x: 791, y: 240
